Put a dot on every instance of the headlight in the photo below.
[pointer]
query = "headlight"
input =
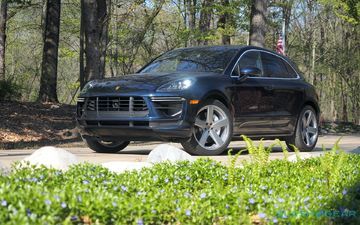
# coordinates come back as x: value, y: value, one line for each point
x: 87, y: 86
x: 177, y: 85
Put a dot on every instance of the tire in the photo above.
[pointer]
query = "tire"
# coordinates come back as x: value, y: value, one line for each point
x: 105, y: 147
x: 213, y: 129
x: 306, y: 132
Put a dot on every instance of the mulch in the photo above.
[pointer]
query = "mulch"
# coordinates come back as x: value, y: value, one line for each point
x: 30, y: 124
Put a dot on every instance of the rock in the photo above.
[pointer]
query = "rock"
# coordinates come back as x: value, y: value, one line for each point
x: 302, y: 155
x: 54, y: 107
x: 165, y: 152
x: 49, y: 156
x: 121, y: 166
x: 3, y: 169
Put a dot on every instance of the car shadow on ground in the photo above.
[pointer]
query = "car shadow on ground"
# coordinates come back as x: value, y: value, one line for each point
x: 243, y: 150
x: 233, y: 150
x: 135, y: 152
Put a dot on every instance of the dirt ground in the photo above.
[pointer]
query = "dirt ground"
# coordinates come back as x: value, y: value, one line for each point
x: 29, y: 124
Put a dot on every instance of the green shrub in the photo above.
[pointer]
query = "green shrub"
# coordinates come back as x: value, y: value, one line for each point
x: 9, y: 90
x: 202, y: 192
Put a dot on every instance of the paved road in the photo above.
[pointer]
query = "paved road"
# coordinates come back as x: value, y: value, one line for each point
x: 136, y: 152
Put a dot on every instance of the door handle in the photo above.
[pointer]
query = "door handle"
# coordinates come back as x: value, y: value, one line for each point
x: 269, y: 88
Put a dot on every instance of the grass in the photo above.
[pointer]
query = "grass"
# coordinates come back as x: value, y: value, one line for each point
x: 323, y: 190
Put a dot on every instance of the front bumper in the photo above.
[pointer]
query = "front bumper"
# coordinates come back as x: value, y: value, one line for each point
x: 129, y: 119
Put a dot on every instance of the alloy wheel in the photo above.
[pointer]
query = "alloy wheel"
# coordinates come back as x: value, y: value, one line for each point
x: 212, y: 127
x: 309, y: 128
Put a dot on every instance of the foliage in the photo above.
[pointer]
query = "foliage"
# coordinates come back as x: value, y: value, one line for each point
x: 326, y: 48
x: 9, y: 90
x: 187, y: 193
x: 348, y: 10
x: 322, y: 38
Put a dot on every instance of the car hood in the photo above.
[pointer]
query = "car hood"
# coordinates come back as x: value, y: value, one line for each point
x: 146, y: 83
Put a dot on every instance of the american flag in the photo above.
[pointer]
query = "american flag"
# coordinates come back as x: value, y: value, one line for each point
x: 280, y: 46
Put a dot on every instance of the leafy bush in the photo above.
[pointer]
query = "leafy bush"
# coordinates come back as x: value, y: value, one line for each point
x: 282, y: 192
x: 9, y: 90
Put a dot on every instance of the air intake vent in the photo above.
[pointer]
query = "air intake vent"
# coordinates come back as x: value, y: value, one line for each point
x: 169, y: 107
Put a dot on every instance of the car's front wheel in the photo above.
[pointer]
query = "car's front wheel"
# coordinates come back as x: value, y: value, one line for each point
x: 213, y: 129
x: 306, y: 132
x: 105, y: 146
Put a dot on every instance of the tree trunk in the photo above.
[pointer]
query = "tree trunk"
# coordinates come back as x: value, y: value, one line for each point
x: 104, y: 12
x: 224, y: 20
x: 114, y: 54
x: 48, y: 82
x: 286, y: 10
x: 82, y: 46
x: 3, y: 18
x: 258, y: 23
x: 313, y: 59
x: 205, y: 19
x: 344, y: 102
x: 191, y: 18
x: 92, y: 57
x: 95, y: 20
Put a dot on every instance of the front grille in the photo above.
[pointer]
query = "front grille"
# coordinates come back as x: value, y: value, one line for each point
x: 116, y: 106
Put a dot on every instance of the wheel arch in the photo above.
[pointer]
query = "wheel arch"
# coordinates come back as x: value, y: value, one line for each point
x: 314, y: 105
x: 217, y: 95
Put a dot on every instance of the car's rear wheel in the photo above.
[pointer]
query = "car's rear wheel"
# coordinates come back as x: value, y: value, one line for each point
x: 102, y: 146
x: 213, y: 129
x: 307, y: 132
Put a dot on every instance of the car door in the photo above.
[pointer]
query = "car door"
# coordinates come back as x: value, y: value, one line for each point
x: 252, y: 98
x: 287, y: 92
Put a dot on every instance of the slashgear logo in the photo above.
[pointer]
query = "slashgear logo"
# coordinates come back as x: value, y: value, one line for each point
x: 318, y: 214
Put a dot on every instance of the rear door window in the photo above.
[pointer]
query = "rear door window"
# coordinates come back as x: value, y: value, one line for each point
x: 275, y: 67
x: 290, y: 70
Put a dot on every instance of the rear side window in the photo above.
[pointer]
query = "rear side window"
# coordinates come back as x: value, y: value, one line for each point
x: 274, y: 66
x: 290, y: 70
x: 249, y: 59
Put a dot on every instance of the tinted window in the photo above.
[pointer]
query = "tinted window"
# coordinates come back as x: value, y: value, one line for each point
x: 192, y: 60
x: 274, y: 66
x: 248, y: 59
x: 290, y: 70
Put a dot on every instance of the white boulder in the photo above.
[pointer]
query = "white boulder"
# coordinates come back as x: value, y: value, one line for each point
x: 3, y: 168
x: 121, y: 166
x: 301, y: 155
x: 166, y: 152
x: 49, y: 156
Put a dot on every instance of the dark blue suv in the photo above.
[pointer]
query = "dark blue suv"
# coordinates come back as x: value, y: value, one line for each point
x: 202, y: 97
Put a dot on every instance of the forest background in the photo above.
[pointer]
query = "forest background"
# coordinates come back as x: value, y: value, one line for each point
x: 50, y: 48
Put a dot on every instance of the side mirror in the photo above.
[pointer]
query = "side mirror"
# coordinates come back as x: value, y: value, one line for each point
x: 250, y: 71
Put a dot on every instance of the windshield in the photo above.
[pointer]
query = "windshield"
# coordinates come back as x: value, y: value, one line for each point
x: 192, y: 60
